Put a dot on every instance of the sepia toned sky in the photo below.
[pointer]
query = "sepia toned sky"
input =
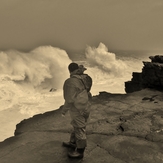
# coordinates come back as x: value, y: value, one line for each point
x: 74, y: 24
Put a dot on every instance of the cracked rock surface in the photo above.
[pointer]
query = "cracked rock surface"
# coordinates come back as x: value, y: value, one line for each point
x: 123, y: 128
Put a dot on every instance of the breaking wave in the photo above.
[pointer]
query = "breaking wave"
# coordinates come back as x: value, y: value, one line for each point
x: 26, y: 78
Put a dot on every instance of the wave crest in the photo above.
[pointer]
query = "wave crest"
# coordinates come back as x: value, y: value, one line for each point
x: 45, y: 65
x: 104, y: 60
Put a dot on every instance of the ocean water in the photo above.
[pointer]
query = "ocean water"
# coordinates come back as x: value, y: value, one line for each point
x: 26, y: 79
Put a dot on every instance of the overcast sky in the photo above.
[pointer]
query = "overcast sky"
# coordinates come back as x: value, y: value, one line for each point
x: 74, y: 24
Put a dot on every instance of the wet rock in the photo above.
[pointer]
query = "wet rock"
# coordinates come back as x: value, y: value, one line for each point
x: 121, y: 128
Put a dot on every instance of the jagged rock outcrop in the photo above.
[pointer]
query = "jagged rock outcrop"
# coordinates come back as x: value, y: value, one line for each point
x: 123, y: 128
x: 151, y: 76
x: 157, y: 59
x: 135, y: 84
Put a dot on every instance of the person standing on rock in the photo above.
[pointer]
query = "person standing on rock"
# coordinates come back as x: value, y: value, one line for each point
x: 76, y: 92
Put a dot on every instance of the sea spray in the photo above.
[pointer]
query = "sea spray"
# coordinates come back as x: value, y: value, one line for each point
x: 43, y: 64
x: 104, y: 60
x: 108, y: 72
x: 26, y: 78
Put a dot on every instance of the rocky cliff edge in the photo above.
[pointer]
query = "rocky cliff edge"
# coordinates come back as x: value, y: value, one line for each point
x: 123, y: 128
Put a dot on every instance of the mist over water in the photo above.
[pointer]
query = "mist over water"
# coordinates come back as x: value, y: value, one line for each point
x: 26, y: 78
x: 105, y: 61
x: 109, y: 71
x: 43, y: 65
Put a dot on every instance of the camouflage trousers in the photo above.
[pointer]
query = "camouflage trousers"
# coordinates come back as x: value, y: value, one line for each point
x: 78, y: 136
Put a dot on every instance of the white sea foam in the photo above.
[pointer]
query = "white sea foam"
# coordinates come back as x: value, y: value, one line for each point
x: 104, y: 60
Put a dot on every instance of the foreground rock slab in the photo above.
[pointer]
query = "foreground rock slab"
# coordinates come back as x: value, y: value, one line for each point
x: 123, y: 128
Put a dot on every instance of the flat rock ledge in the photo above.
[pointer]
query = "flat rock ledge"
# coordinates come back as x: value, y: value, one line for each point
x: 123, y: 128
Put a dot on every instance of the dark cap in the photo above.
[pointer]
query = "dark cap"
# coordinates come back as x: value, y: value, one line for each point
x: 73, y: 66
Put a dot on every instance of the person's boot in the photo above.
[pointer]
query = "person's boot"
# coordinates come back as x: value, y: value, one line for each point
x: 69, y: 144
x: 78, y: 153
